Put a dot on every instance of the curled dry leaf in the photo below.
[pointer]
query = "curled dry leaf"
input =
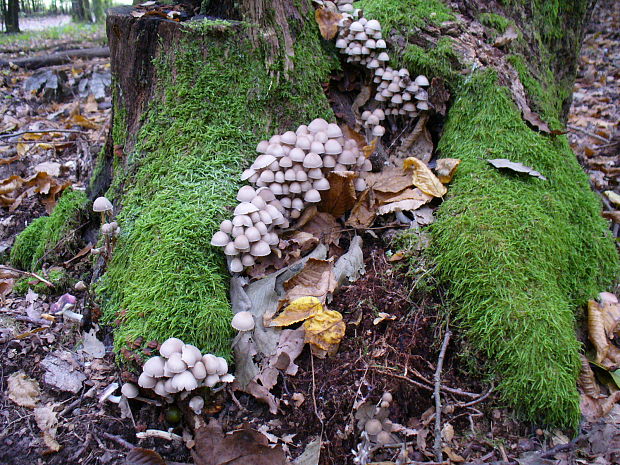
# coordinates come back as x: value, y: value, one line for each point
x: 409, y: 199
x: 328, y: 22
x: 423, y: 177
x: 593, y: 409
x: 363, y: 213
x: 340, y: 197
x: 446, y: 167
x: 587, y: 381
x: 501, y: 163
x: 140, y: 456
x: 596, y: 331
x: 48, y: 424
x: 418, y: 142
x: 298, y: 310
x: 316, y: 279
x: 24, y: 391
x: 613, y: 197
x: 389, y: 181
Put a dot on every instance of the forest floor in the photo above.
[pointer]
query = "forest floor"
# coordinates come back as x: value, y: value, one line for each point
x: 398, y: 354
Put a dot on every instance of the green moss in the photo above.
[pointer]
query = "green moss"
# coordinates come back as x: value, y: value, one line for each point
x: 405, y: 16
x: 520, y: 254
x: 433, y: 62
x: 201, y: 130
x: 495, y: 21
x: 49, y: 237
x: 56, y: 276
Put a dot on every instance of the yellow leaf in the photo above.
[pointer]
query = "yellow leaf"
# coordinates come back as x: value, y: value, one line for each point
x: 328, y: 22
x: 83, y: 122
x: 298, y: 310
x: 369, y: 149
x: 22, y: 149
x: 446, y: 167
x: 325, y: 330
x: 423, y: 177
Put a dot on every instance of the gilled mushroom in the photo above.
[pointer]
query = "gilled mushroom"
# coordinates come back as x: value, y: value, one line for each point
x: 154, y: 367
x: 196, y: 403
x: 104, y: 206
x: 243, y: 321
x: 190, y: 355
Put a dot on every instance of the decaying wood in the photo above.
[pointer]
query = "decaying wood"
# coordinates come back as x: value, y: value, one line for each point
x: 58, y: 58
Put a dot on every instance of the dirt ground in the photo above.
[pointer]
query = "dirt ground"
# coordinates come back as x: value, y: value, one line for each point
x: 398, y: 354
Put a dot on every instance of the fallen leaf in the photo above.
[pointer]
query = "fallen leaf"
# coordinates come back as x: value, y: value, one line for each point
x: 316, y: 279
x: 438, y: 95
x: 49, y: 167
x: 83, y: 122
x: 47, y: 423
x: 596, y: 331
x: 324, y: 227
x: 595, y: 408
x: 418, y: 143
x: 140, y: 456
x: 453, y: 456
x: 613, y: 197
x: 423, y: 177
x: 382, y: 316
x: 389, y: 181
x: 340, y: 197
x: 446, y: 167
x: 447, y: 432
x: 242, y: 447
x: 24, y: 391
x: 350, y: 266
x: 298, y: 310
x: 325, y: 330
x: 370, y: 148
x: 396, y: 256
x: 363, y: 96
x: 311, y: 454
x: 328, y: 22
x: 508, y: 36
x: 408, y: 200
x: 363, y: 214
x: 501, y: 163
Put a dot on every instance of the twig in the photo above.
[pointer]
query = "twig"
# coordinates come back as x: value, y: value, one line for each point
x: 476, y: 401
x: 42, y: 131
x: 156, y: 433
x: 316, y: 412
x: 118, y: 440
x: 588, y: 133
x: 437, y: 395
x: 28, y: 273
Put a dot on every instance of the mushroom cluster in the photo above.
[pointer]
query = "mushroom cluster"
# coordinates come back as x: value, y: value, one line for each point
x: 288, y: 174
x: 363, y: 43
x: 379, y: 429
x: 404, y: 96
x: 372, y: 120
x: 181, y: 367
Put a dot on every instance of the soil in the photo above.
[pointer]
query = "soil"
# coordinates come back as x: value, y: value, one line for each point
x: 392, y: 341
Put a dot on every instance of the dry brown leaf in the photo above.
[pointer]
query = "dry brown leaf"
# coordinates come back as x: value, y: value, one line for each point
x: 389, y: 181
x: 316, y: 279
x: 328, y: 22
x: 613, y: 216
x: 409, y: 199
x: 324, y: 227
x: 369, y: 149
x: 453, y: 456
x: 340, y: 197
x: 352, y: 134
x: 446, y: 167
x: 48, y: 424
x: 325, y: 330
x: 611, y: 317
x: 593, y: 409
x: 501, y: 163
x: 363, y: 214
x: 23, y: 390
x: 298, y: 310
x: 11, y: 184
x: 587, y: 381
x: 83, y: 122
x: 140, y: 456
x: 242, y: 447
x: 418, y: 142
x: 424, y: 178
x: 362, y: 97
x: 613, y: 197
x: 596, y: 331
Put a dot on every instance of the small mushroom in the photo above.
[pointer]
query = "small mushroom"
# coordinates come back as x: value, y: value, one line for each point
x: 384, y: 437
x: 146, y: 381
x: 312, y: 196
x: 190, y: 354
x: 373, y: 427
x: 130, y: 390
x: 184, y: 381
x: 175, y: 363
x: 196, y: 403
x: 235, y: 265
x: 243, y: 321
x: 222, y: 366
x: 260, y: 249
x: 220, y: 239
x: 102, y: 205
x: 154, y: 367
x: 210, y: 363
x: 198, y: 370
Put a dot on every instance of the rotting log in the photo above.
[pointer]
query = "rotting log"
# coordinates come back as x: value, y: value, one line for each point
x: 58, y: 58
x: 518, y: 256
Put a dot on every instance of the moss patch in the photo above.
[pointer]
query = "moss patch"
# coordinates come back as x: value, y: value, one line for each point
x: 519, y: 254
x: 434, y: 62
x: 495, y: 21
x: 56, y: 276
x: 405, y: 15
x: 49, y: 237
x: 201, y: 130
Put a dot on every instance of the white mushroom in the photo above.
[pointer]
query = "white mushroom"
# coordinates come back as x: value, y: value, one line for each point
x: 243, y: 321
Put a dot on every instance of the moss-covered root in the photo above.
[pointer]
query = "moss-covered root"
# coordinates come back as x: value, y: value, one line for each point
x: 520, y: 254
x: 50, y: 236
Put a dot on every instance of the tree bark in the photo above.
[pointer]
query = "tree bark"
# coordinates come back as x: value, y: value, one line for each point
x: 152, y: 67
x: 11, y: 16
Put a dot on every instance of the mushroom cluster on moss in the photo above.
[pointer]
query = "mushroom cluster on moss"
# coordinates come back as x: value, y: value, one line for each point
x: 181, y: 367
x: 289, y: 174
x: 360, y: 39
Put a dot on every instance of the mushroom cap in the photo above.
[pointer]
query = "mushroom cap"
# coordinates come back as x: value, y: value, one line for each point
x: 253, y: 234
x: 130, y: 390
x: 184, y: 381
x: 247, y: 174
x: 267, y: 176
x: 302, y: 129
x: 222, y: 366
x: 170, y: 346
x: 101, y: 204
x: 313, y: 160
x: 242, y: 220
x: 198, y: 370
x: 289, y: 138
x: 317, y: 147
x: 380, y: 43
x: 230, y: 249
x: 226, y: 226
x: 196, y: 403
x: 397, y: 99
x: 160, y: 388
x: 297, y: 204
x: 333, y: 131
x: 220, y: 239
x: 276, y: 150
x: 297, y: 154
x: 359, y: 184
x: 373, y: 427
x: 146, y: 381
x: 263, y: 161
x: 421, y: 80
x: 262, y: 146
x: 243, y: 321
x: 347, y: 157
x: 190, y: 354
x: 244, y: 208
x: 341, y: 43
x: 409, y: 106
x: 387, y: 397
x: 236, y: 232
x: 373, y: 64
x: 373, y: 24
x: 247, y: 260
x: 265, y: 194
x: 276, y: 188
x: 301, y: 176
x: 378, y: 131
x: 384, y: 437
x: 271, y: 238
x: 422, y: 105
x: 312, y: 196
x: 321, y: 184
x: 285, y: 162
x: 212, y: 380
x: 356, y: 26
x: 242, y: 243
x: 328, y: 162
x: 235, y: 265
x: 262, y: 225
x: 175, y: 363
x: 370, y: 43
x: 316, y: 173
x: 333, y: 147
x: 318, y: 124
x: 210, y: 363
x: 383, y: 57
x: 170, y: 388
x: 260, y: 249
x: 294, y: 187
x: 366, y: 166
x: 227, y: 378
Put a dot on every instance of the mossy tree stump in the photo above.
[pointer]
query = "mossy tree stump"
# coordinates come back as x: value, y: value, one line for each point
x: 193, y: 99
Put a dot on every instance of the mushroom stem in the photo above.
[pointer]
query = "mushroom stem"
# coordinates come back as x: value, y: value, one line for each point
x: 66, y: 313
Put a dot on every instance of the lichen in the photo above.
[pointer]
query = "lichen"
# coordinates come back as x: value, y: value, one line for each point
x: 520, y: 255
x: 201, y: 129
x: 49, y: 237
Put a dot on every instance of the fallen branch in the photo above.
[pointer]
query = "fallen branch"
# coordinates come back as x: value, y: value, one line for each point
x: 588, y: 133
x: 42, y: 131
x: 155, y: 433
x: 437, y: 395
x: 28, y: 273
x: 118, y: 440
x: 58, y: 58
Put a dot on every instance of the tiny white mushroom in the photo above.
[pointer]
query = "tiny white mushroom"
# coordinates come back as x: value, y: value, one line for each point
x: 196, y: 403
x: 243, y: 321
